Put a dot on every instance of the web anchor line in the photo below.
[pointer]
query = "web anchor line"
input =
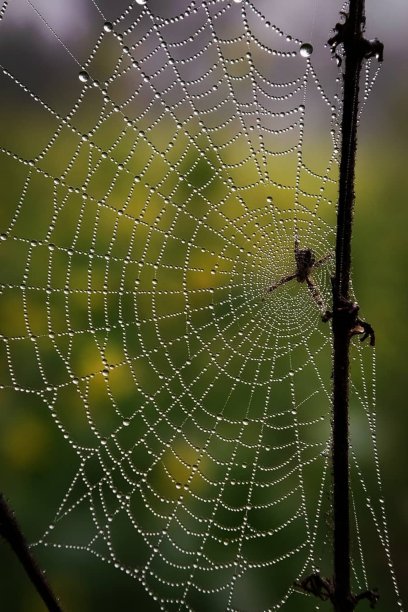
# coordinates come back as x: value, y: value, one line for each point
x: 345, y: 321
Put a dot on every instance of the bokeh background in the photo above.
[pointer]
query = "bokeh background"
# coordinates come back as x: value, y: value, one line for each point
x: 35, y: 467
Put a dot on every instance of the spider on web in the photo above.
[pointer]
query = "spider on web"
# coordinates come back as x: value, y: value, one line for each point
x: 306, y: 262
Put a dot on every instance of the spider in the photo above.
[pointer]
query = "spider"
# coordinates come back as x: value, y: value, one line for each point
x: 306, y: 262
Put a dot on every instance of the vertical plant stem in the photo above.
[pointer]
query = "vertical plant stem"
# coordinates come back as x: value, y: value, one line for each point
x: 343, y: 601
x: 11, y: 532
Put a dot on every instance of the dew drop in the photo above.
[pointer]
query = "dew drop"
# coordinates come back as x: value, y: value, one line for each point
x: 107, y: 26
x: 306, y: 50
x: 141, y: 2
x: 83, y: 76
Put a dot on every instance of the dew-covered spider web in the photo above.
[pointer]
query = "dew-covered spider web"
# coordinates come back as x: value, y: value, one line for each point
x: 160, y: 169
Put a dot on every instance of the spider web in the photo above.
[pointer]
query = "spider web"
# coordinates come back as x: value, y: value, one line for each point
x: 147, y: 221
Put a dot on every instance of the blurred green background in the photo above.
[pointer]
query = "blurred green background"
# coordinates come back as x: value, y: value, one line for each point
x: 36, y: 463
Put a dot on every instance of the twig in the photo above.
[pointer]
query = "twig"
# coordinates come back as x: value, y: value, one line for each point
x: 345, y: 319
x: 341, y: 323
x: 11, y: 532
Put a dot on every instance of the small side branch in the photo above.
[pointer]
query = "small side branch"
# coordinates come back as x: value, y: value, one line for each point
x: 324, y: 589
x: 11, y: 532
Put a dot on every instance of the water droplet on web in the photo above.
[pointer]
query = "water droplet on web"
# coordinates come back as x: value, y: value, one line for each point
x: 306, y: 50
x: 83, y: 76
x: 107, y: 26
x: 141, y: 2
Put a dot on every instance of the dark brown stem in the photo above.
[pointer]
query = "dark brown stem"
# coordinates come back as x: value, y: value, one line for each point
x: 342, y: 315
x: 11, y: 532
x: 345, y: 319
